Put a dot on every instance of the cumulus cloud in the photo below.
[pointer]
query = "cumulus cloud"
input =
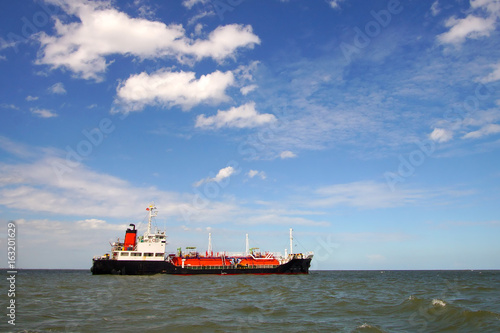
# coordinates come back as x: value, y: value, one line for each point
x: 474, y: 25
x: 255, y: 173
x: 244, y: 116
x: 468, y: 27
x: 441, y: 135
x: 223, y: 173
x: 57, y: 88
x: 167, y: 89
x: 287, y: 154
x: 30, y: 98
x: 247, y: 89
x: 82, y: 47
x: 43, y: 113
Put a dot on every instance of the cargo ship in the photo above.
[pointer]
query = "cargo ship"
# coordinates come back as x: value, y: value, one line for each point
x: 147, y: 255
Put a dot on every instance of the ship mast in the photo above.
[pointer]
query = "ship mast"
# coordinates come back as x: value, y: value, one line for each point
x: 210, y: 244
x: 152, y: 213
x: 246, y: 245
x: 291, y: 241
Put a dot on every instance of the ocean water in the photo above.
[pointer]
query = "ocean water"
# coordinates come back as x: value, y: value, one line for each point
x: 323, y: 301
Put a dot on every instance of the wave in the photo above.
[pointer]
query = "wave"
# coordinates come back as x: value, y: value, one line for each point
x: 368, y: 328
x: 438, y: 303
x: 438, y: 314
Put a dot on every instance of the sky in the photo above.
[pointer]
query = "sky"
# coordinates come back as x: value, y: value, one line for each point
x: 372, y: 128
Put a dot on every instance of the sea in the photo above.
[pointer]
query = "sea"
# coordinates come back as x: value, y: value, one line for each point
x: 322, y: 301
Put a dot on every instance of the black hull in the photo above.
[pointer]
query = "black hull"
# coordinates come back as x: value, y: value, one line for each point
x: 123, y: 267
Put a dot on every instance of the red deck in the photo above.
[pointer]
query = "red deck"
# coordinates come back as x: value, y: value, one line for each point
x: 220, y: 261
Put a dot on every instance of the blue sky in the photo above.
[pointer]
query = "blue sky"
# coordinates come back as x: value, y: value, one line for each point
x: 370, y: 128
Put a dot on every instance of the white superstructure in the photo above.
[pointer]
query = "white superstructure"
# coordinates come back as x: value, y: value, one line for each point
x: 150, y: 246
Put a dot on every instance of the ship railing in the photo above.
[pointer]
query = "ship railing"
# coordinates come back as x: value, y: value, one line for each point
x: 103, y: 257
x: 231, y: 254
x: 226, y: 254
x: 269, y: 255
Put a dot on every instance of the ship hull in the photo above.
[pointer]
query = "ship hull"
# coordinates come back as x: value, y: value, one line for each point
x: 124, y: 267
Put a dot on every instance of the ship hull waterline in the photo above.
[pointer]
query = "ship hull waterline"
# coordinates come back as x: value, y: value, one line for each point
x: 125, y: 267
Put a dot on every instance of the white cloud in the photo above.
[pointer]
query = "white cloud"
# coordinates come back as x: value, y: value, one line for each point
x: 223, y: 173
x: 197, y: 17
x: 478, y: 124
x: 252, y: 173
x: 102, y: 30
x: 335, y: 4
x: 16, y: 148
x: 244, y: 116
x: 441, y: 135
x: 221, y: 43
x: 470, y: 27
x: 98, y: 224
x: 494, y: 76
x: 49, y: 185
x: 247, y: 89
x: 483, y: 117
x: 43, y: 113
x: 435, y: 8
x: 30, y: 98
x: 57, y: 88
x: 492, y: 6
x: 167, y: 89
x: 58, y: 186
x: 255, y: 173
x: 473, y: 26
x: 9, y: 106
x: 287, y: 154
x: 190, y: 3
x: 43, y: 238
x: 483, y: 131
x: 246, y: 72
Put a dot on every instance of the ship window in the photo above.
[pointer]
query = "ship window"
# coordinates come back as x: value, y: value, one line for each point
x: 135, y: 254
x: 159, y: 255
x: 148, y: 254
x: 124, y: 254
